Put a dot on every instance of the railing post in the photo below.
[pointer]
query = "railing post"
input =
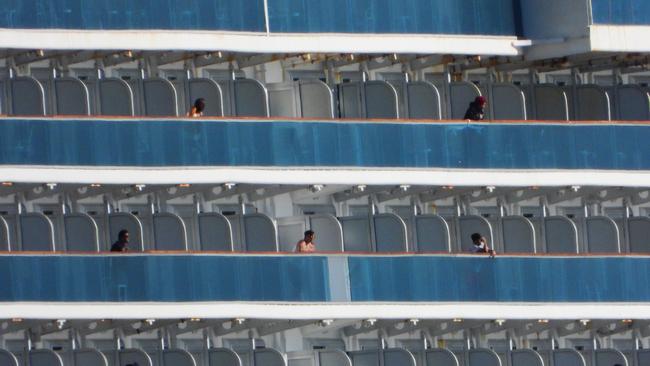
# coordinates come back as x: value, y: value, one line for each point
x: 267, y: 24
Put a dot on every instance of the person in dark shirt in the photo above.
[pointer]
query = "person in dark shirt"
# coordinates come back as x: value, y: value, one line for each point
x: 476, y: 110
x: 122, y: 243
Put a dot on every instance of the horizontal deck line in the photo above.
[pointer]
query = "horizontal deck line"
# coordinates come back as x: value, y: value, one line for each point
x: 318, y: 311
x: 323, y: 175
x: 257, y: 42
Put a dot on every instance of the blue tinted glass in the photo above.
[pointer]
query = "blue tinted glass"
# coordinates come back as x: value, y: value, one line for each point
x: 278, y: 143
x: 163, y: 278
x: 621, y: 11
x: 183, y: 278
x: 484, y: 279
x: 243, y: 15
x: 494, y: 17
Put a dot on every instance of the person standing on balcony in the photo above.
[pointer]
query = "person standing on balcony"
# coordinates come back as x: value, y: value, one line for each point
x: 481, y: 246
x: 122, y: 243
x: 307, y: 244
x: 198, y: 108
x: 476, y: 110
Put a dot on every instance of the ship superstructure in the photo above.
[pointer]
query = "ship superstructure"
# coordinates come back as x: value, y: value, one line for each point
x: 347, y: 119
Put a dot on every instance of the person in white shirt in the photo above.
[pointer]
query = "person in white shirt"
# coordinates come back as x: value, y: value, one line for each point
x: 481, y: 245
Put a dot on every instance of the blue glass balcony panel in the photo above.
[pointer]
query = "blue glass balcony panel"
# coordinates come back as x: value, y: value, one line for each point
x: 255, y: 278
x: 417, y: 279
x: 621, y: 12
x: 163, y: 278
x: 151, y: 143
x: 242, y: 15
x: 484, y: 17
x: 488, y: 17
